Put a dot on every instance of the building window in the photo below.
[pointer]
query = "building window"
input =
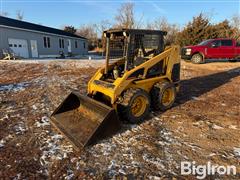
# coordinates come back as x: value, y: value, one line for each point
x: 76, y: 44
x: 46, y: 41
x: 84, y: 45
x: 10, y: 45
x: 61, y: 43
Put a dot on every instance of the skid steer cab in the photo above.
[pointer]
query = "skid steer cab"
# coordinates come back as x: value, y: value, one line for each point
x: 140, y: 74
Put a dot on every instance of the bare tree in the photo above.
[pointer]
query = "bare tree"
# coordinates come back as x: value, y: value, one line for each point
x: 19, y: 15
x: 89, y: 32
x: 235, y: 23
x: 102, y: 26
x: 3, y: 13
x: 125, y: 16
x: 161, y: 23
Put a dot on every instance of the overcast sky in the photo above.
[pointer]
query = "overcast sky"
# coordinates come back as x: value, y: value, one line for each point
x: 56, y: 13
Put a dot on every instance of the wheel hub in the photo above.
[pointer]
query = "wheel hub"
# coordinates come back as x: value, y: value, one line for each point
x: 138, y: 106
x: 168, y: 96
x: 197, y: 59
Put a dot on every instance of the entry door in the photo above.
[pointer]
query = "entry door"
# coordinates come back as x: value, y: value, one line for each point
x: 69, y: 46
x: 227, y: 50
x: 213, y: 50
x: 19, y: 47
x: 34, y: 48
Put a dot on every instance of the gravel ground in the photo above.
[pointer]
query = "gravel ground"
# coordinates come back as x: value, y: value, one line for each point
x: 203, y: 125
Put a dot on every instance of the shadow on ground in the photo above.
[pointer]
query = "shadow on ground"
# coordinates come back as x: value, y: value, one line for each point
x: 198, y: 86
x: 216, y: 61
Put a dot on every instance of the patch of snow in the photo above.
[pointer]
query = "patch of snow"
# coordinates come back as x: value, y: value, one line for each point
x: 154, y: 178
x: 214, y: 126
x: 43, y: 122
x: 112, y: 167
x: 133, y: 126
x: 34, y: 107
x: 212, y: 154
x: 20, y: 128
x: 236, y: 151
x: 81, y: 63
x: 195, y: 98
x: 4, y: 118
x: 198, y: 123
x: 157, y: 118
x: 52, y: 150
x: 96, y: 57
x: 136, y: 164
x: 70, y: 174
x: 121, y: 171
x: 8, y: 137
x: 17, y: 177
x: 129, y: 138
x: 184, y: 156
x: 105, y: 148
x: 18, y: 144
x: 232, y: 127
x: 2, y: 142
x: 14, y: 87
x: 153, y: 160
x: 193, y: 146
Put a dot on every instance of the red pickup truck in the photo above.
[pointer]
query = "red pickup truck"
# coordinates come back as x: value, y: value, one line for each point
x: 212, y: 49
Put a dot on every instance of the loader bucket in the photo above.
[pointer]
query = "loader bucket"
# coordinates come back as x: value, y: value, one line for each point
x: 83, y: 120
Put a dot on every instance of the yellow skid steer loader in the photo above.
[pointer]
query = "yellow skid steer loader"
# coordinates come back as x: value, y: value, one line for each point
x: 140, y: 74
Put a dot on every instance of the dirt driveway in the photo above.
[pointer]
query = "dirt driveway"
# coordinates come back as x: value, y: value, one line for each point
x: 203, y: 125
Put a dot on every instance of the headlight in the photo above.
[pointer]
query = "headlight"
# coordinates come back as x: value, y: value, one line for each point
x: 188, y: 51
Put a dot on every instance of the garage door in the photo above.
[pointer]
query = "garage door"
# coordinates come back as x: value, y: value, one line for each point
x: 19, y: 47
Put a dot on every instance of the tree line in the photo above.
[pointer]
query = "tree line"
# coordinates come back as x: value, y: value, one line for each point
x: 195, y: 31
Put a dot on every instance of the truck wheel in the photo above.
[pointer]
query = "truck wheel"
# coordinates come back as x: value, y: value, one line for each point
x: 163, y: 96
x: 135, y: 105
x: 232, y: 60
x: 197, y: 59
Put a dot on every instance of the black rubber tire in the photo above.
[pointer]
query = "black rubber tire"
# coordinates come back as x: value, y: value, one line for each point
x: 157, y: 94
x: 232, y: 60
x: 124, y: 107
x: 187, y: 60
x: 197, y: 59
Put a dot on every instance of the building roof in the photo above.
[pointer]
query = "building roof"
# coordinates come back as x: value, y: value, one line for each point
x: 34, y: 27
x: 136, y: 31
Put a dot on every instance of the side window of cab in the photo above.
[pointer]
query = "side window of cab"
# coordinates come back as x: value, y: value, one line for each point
x: 238, y: 44
x: 226, y: 42
x: 215, y: 44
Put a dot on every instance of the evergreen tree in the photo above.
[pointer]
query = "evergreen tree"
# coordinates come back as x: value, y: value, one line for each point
x: 70, y: 29
x: 195, y: 31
